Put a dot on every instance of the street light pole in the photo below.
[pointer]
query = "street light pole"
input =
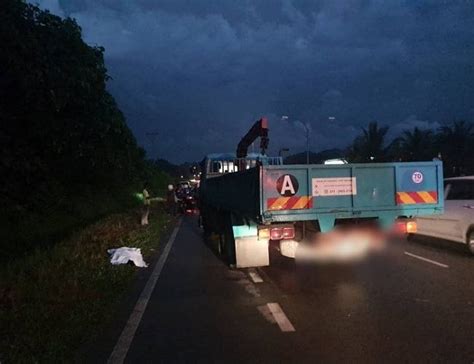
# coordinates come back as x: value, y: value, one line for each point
x: 285, y: 117
x: 307, y: 143
x: 307, y: 139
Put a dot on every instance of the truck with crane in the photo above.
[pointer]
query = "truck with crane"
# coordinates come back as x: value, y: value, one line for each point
x: 252, y: 200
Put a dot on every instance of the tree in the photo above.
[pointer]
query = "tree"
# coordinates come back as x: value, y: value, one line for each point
x: 370, y: 145
x: 68, y: 155
x: 417, y: 145
x: 456, y: 144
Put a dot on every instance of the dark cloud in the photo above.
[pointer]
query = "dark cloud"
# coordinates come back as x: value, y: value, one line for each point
x: 200, y: 72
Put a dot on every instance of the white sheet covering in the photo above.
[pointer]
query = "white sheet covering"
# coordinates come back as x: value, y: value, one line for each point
x: 124, y: 255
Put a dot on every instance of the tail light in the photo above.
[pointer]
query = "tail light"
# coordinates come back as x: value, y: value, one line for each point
x: 281, y: 233
x: 277, y: 233
x: 288, y: 232
x: 411, y: 227
x: 405, y: 227
x: 264, y: 234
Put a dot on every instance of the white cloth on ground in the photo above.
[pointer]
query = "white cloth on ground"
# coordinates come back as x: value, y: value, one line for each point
x: 124, y: 255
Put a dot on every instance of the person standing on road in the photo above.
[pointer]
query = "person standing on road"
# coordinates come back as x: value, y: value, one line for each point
x: 146, y: 204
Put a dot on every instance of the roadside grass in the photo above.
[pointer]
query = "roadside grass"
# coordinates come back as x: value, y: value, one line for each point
x: 54, y: 299
x: 25, y: 229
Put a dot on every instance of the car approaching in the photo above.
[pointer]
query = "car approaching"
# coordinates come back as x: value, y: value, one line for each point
x: 457, y: 221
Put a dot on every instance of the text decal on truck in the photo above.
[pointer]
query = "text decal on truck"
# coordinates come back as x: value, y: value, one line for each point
x: 338, y: 186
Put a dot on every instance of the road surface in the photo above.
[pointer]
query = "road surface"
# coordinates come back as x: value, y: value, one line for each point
x: 414, y: 305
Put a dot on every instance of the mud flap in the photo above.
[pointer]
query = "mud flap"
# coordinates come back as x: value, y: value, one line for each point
x: 288, y: 248
x: 251, y: 252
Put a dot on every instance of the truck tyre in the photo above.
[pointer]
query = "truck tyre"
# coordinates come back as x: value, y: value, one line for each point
x: 470, y: 241
x: 229, y: 242
x: 205, y: 226
x: 204, y: 219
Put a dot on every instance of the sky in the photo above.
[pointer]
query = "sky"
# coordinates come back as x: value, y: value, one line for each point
x: 192, y: 76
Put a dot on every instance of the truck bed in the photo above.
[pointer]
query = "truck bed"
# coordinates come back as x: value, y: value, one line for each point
x: 288, y: 193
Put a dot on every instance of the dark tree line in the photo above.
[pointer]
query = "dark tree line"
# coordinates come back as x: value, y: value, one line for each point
x: 452, y: 143
x: 67, y: 153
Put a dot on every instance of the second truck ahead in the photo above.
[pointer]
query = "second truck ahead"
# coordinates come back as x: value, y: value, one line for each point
x: 250, y: 200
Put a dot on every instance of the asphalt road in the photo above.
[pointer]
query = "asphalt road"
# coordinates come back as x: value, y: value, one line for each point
x: 399, y: 307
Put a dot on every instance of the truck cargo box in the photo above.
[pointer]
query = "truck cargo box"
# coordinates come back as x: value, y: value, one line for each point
x: 288, y: 193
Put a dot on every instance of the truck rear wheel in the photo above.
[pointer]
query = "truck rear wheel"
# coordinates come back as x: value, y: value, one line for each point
x: 227, y: 241
x: 205, y: 225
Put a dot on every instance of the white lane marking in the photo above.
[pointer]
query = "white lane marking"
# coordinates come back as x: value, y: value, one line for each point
x: 125, y: 340
x: 255, y: 277
x: 280, y: 317
x: 427, y: 260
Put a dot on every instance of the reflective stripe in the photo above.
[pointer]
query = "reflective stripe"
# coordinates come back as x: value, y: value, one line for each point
x: 427, y: 197
x: 301, y: 203
x: 290, y: 203
x: 404, y: 198
x: 279, y: 203
x: 412, y: 198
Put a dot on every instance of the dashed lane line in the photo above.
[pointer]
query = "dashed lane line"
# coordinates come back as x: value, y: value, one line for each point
x: 280, y: 317
x: 427, y: 260
x: 255, y: 277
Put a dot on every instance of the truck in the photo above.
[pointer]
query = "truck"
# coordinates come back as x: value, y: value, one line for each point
x: 252, y: 200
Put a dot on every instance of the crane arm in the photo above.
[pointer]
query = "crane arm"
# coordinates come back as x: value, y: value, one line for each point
x: 258, y: 130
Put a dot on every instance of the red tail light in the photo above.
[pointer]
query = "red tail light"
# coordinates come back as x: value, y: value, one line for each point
x: 400, y: 227
x: 276, y: 233
x: 404, y: 227
x: 279, y: 233
x: 288, y: 232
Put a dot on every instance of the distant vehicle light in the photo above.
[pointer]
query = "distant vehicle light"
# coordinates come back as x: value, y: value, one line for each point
x: 335, y: 161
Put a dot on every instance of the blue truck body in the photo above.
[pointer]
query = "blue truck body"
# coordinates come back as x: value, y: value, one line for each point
x: 344, y: 191
x: 267, y: 193
x: 354, y: 191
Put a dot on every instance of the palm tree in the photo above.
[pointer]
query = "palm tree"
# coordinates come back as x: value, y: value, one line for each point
x: 456, y: 144
x: 370, y: 145
x: 417, y: 145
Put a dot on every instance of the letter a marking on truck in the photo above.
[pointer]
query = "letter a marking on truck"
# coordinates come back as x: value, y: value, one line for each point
x: 287, y: 185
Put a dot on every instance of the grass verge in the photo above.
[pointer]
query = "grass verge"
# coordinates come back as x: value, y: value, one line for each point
x: 54, y: 299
